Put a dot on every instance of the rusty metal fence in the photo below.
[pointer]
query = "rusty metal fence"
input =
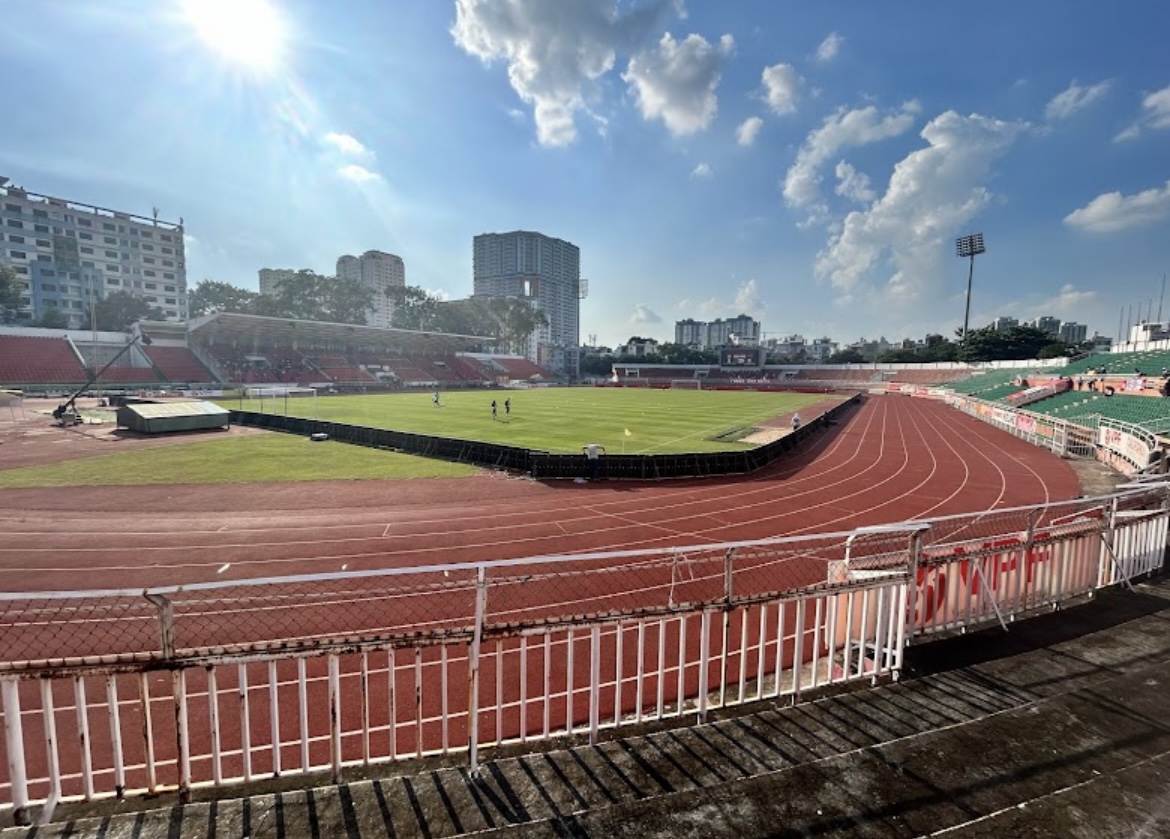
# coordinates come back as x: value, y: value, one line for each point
x: 113, y: 693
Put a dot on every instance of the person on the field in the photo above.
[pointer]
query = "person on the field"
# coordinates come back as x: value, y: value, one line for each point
x: 493, y: 409
x: 435, y: 399
x: 507, y: 406
x: 795, y: 421
x: 593, y: 453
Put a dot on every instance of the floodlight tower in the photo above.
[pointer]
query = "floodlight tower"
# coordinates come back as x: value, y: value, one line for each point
x: 969, y: 246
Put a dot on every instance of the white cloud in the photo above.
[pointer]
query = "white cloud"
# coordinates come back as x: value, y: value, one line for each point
x: 702, y: 171
x: 781, y: 88
x: 748, y: 130
x: 1112, y: 211
x: 933, y: 193
x: 348, y: 145
x: 843, y: 128
x: 676, y: 81
x: 746, y: 301
x: 358, y: 174
x: 555, y: 52
x: 829, y: 48
x: 1075, y: 98
x: 1155, y: 114
x: 852, y: 184
x: 644, y: 314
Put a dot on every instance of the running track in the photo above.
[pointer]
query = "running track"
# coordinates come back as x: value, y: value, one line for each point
x: 895, y: 458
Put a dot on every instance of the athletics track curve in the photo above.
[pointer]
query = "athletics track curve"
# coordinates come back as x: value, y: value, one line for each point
x: 895, y: 458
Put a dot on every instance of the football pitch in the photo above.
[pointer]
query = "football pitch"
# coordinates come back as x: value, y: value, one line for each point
x: 559, y: 420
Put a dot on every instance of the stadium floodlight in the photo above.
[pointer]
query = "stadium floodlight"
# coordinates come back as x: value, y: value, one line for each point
x: 969, y: 246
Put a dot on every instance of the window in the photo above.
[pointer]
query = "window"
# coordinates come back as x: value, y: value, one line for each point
x: 148, y: 247
x: 40, y: 214
x: 20, y: 269
x: 111, y: 254
x: 74, y: 304
x: 85, y: 263
x: 114, y: 268
x: 167, y: 275
x: 12, y: 208
x: 149, y: 260
x: 168, y: 250
x: 15, y: 223
x: 84, y: 222
x: 41, y: 228
x: 152, y: 286
x: 19, y: 240
x: 146, y: 234
x: 86, y: 250
x: 44, y: 257
x: 49, y: 287
x: 166, y: 237
x: 113, y: 281
x: 125, y: 243
x: 48, y: 273
x: 169, y: 288
x: 109, y: 240
x: 87, y: 236
x: 148, y: 273
x: 168, y: 263
x: 44, y: 243
x: 18, y: 254
x: 107, y: 226
x: 170, y: 301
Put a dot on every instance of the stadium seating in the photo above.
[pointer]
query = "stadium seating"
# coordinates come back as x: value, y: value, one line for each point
x: 178, y: 364
x: 127, y: 375
x: 37, y: 360
x: 927, y: 376
x: 340, y: 369
x: 521, y: 368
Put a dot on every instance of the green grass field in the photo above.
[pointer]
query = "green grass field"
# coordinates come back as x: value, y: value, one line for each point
x: 552, y: 419
x: 261, y: 458
x: 559, y: 419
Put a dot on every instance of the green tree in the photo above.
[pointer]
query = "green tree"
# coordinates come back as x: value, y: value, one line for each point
x: 211, y: 296
x: 10, y: 289
x: 310, y: 296
x: 1019, y: 342
x: 53, y: 318
x: 595, y: 365
x: 414, y: 309
x: 846, y: 357
x: 117, y: 310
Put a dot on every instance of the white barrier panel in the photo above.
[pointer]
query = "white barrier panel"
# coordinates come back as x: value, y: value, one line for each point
x: 1126, y: 444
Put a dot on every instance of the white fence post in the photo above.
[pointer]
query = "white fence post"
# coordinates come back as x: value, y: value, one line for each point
x: 473, y: 668
x: 14, y: 745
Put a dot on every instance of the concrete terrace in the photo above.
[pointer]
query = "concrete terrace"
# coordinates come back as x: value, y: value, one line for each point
x: 1055, y: 729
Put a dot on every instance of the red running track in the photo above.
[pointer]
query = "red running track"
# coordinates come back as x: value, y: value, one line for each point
x: 895, y: 458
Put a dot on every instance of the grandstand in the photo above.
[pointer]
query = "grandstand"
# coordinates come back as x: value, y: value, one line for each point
x: 35, y: 360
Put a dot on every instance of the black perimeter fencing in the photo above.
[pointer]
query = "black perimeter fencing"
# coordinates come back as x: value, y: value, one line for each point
x: 546, y: 466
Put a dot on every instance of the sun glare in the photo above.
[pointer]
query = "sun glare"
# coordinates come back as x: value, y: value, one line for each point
x: 248, y: 33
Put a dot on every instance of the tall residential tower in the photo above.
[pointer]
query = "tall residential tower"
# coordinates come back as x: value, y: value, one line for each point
x: 378, y: 271
x: 538, y: 268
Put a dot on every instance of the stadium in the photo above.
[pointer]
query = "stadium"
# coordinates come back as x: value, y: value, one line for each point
x: 214, y: 622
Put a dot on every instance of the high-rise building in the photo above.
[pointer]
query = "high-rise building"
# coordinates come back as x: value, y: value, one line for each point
x: 271, y: 278
x: 1003, y: 324
x: 67, y: 254
x: 741, y: 331
x: 379, y: 272
x: 690, y: 333
x: 1072, y: 332
x: 538, y: 268
x: 1047, y: 324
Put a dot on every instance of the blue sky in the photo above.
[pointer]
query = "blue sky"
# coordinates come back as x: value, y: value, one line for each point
x: 807, y: 164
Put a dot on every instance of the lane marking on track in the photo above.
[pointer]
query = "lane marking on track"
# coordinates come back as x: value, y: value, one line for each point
x: 224, y: 567
x: 386, y: 532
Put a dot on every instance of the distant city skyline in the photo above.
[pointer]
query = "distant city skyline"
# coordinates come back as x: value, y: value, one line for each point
x: 709, y: 159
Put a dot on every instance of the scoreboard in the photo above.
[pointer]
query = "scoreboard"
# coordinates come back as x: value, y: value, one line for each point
x: 742, y: 357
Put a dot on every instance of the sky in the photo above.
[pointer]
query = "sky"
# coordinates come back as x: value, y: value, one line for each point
x: 808, y: 164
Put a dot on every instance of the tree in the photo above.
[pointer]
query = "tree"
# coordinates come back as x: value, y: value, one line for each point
x: 10, y: 289
x: 310, y: 296
x: 413, y: 308
x: 53, y: 318
x: 846, y: 357
x: 211, y: 296
x: 117, y: 310
x: 1019, y: 342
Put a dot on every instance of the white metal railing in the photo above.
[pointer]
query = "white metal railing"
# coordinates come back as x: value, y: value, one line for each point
x: 206, y: 686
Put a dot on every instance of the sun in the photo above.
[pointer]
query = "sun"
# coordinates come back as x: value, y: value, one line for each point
x: 248, y: 33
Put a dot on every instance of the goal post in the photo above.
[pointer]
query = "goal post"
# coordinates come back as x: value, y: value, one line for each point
x: 687, y: 384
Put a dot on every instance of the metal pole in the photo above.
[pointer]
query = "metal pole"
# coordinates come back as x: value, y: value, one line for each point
x: 967, y: 315
x: 1161, y: 297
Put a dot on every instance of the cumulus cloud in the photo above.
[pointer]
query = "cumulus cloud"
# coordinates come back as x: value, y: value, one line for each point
x: 781, y: 88
x: 644, y: 314
x: 555, y: 52
x: 748, y: 130
x: 1155, y: 114
x: 358, y: 174
x: 844, y: 128
x: 745, y: 301
x: 1074, y: 98
x: 933, y: 192
x: 852, y: 184
x: 676, y: 81
x: 702, y: 171
x: 1112, y: 211
x: 829, y: 48
x: 347, y: 145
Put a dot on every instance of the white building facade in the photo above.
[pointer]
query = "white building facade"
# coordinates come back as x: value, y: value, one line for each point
x: 379, y: 272
x: 271, y: 278
x: 535, y: 267
x: 67, y: 254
